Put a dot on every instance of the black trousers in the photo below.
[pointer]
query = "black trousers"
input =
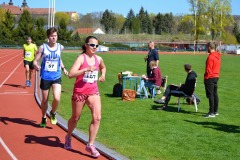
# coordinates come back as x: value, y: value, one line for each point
x: 211, y: 87
x: 148, y: 71
x: 168, y: 92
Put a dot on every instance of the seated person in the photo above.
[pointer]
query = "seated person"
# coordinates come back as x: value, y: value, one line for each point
x: 155, y: 78
x: 187, y: 88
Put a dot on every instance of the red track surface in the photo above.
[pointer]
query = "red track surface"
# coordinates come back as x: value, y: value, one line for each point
x: 20, y: 115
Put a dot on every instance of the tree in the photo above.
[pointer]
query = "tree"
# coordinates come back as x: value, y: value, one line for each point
x: 145, y: 22
x: 163, y: 23
x: 2, y: 12
x: 219, y: 15
x: 149, y: 23
x: 128, y: 26
x: 135, y: 25
x: 158, y: 23
x: 8, y: 23
x: 1, y: 24
x: 108, y: 21
x: 40, y: 33
x: 238, y: 37
x: 63, y: 33
x: 62, y: 15
x: 236, y: 31
x: 76, y: 37
x: 142, y: 18
x: 186, y: 25
x: 25, y: 25
x: 229, y: 38
x: 167, y: 23
x: 199, y: 9
x: 96, y: 16
x: 86, y: 21
x: 120, y: 19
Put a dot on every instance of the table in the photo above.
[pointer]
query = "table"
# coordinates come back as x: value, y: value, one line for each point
x: 131, y: 82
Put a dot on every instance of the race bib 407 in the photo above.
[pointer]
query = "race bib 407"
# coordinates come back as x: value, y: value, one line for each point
x: 90, y: 77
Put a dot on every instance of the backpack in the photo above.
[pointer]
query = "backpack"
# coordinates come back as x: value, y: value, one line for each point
x: 117, y: 90
x: 197, y: 99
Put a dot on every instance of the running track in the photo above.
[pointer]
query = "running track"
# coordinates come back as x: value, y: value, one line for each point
x: 21, y: 138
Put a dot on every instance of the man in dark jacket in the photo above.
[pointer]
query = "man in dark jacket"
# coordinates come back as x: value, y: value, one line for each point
x: 186, y: 88
x: 211, y: 77
x: 152, y: 56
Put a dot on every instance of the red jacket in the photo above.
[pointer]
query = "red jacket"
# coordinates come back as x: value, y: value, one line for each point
x: 213, y: 64
x: 156, y: 76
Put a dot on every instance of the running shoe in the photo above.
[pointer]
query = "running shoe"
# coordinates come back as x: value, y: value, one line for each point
x: 159, y: 101
x: 53, y: 118
x: 209, y: 115
x: 92, y: 149
x: 29, y: 84
x: 68, y: 143
x: 43, y: 122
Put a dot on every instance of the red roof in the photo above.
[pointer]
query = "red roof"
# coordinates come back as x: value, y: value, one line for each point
x: 18, y: 10
x: 14, y: 9
x: 85, y: 30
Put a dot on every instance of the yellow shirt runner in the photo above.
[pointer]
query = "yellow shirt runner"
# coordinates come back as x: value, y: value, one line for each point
x: 29, y: 51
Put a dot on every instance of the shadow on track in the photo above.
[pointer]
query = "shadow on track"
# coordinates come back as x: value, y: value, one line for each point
x: 15, y: 85
x: 23, y: 121
x: 51, y: 141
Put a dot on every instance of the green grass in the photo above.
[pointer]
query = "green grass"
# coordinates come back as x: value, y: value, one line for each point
x: 139, y: 132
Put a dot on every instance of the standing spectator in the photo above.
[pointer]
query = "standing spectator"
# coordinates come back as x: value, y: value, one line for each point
x: 175, y: 49
x: 211, y: 77
x: 50, y: 73
x: 85, y: 69
x: 29, y: 52
x: 200, y: 49
x: 152, y: 55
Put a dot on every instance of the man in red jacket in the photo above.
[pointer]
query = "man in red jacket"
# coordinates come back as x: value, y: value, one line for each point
x: 211, y: 77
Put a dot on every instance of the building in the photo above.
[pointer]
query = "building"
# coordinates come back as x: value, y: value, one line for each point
x: 35, y: 12
x: 17, y: 11
x: 89, y: 31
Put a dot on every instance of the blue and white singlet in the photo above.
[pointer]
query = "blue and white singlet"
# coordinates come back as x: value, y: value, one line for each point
x: 51, y: 62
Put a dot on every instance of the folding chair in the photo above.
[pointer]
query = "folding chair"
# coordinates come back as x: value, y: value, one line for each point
x: 181, y: 94
x: 155, y: 87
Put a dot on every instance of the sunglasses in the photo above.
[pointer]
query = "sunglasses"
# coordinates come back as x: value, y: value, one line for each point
x: 93, y: 45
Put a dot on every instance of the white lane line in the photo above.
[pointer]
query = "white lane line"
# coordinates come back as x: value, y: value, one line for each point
x: 11, y: 93
x: 10, y: 74
x: 7, y: 55
x: 7, y: 149
x: 15, y: 92
x: 8, y: 60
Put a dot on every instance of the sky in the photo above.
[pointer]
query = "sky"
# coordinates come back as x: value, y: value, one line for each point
x: 177, y: 7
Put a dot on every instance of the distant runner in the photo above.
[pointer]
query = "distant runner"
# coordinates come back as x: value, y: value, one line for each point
x: 29, y: 52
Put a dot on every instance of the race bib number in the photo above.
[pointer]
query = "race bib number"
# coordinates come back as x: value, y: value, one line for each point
x: 51, y: 66
x: 90, y: 77
x: 28, y: 54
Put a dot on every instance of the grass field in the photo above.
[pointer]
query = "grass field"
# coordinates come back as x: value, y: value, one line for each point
x: 140, y: 132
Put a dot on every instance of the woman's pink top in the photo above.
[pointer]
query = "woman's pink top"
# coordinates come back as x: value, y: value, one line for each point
x: 87, y: 82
